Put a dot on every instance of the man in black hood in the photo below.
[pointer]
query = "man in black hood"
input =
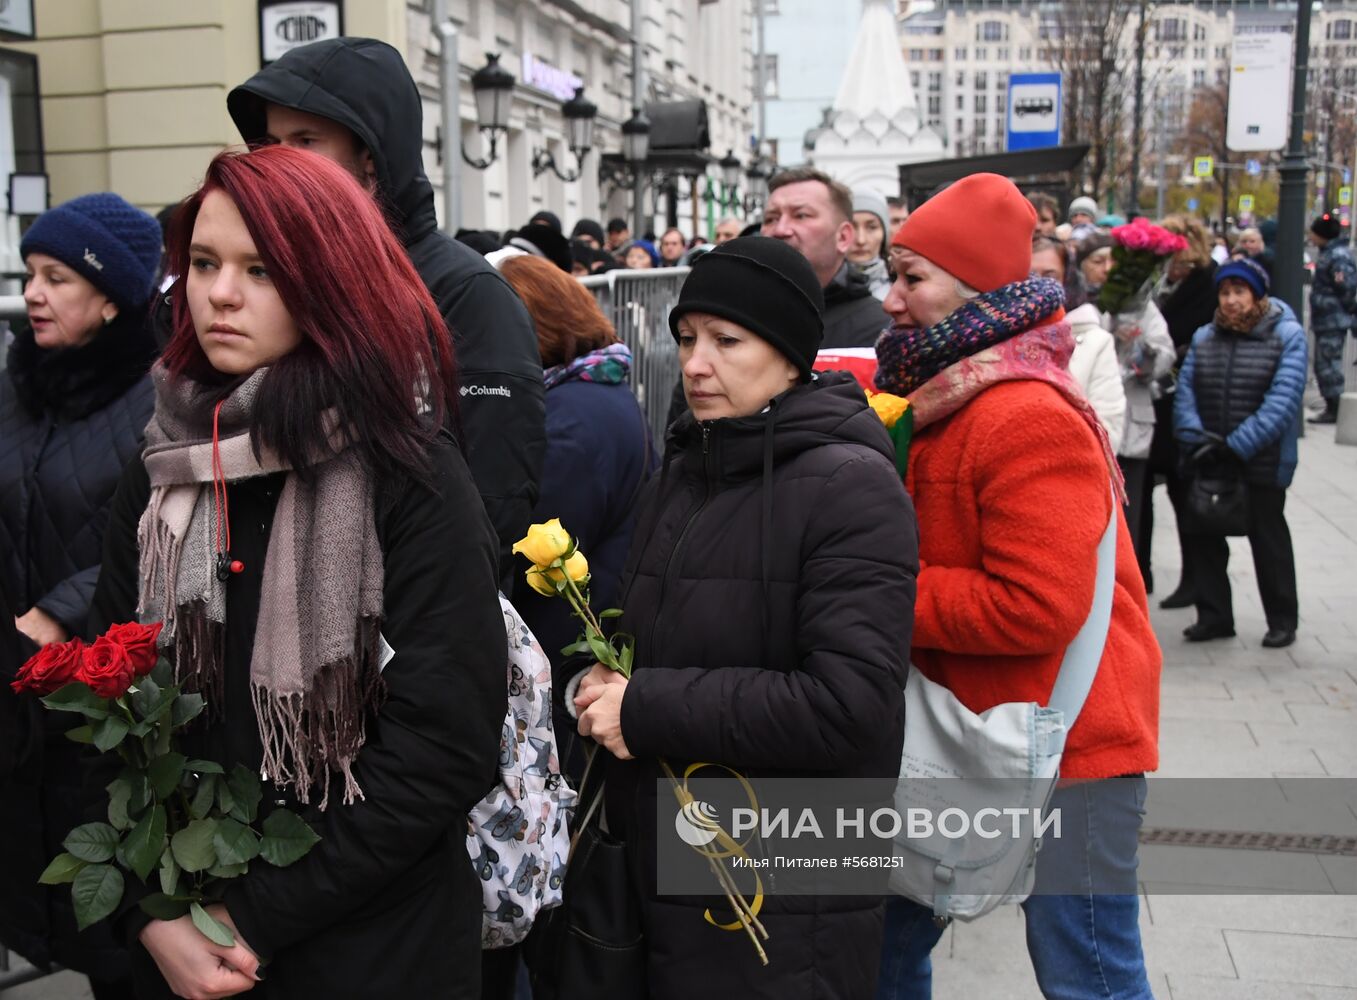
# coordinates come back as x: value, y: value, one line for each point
x: 353, y: 100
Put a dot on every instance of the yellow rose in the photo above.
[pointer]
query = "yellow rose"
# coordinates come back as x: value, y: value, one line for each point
x: 537, y: 580
x: 888, y: 407
x: 576, y: 567
x: 544, y: 543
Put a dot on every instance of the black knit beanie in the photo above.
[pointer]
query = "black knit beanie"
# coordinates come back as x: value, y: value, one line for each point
x: 1326, y: 227
x: 765, y: 286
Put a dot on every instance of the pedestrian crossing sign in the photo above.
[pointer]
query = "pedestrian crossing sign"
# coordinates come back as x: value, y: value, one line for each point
x: 1345, y: 195
x: 1245, y: 203
x: 1203, y: 166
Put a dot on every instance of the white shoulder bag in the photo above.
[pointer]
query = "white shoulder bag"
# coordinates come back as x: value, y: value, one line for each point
x: 1005, y: 757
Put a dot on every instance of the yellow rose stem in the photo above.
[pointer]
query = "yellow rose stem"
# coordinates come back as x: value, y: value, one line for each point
x: 586, y: 614
x: 734, y: 897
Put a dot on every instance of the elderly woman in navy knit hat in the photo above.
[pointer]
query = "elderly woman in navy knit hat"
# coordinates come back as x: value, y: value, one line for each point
x: 1238, y: 407
x: 74, y: 400
x: 770, y: 587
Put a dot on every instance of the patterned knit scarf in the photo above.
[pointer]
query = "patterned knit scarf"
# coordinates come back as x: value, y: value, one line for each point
x: 1041, y: 354
x: 1245, y: 323
x: 608, y: 365
x: 314, y: 672
x: 908, y: 356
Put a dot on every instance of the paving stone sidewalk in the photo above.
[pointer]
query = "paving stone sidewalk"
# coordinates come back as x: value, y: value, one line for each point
x: 1231, y: 709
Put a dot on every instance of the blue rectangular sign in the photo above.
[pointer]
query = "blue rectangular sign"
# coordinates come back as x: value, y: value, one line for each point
x: 1034, y: 110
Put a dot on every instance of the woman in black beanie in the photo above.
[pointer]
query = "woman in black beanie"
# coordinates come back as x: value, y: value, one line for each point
x: 770, y: 587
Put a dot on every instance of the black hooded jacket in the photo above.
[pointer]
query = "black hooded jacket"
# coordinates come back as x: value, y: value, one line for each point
x: 853, y: 315
x: 770, y: 588
x: 365, y: 86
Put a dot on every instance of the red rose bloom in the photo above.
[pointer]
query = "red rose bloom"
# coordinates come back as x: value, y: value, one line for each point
x: 139, y: 641
x: 54, y: 666
x: 107, y: 669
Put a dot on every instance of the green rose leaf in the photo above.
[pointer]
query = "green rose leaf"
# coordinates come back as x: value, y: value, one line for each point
x: 217, y: 933
x: 159, y: 906
x: 140, y: 796
x: 204, y: 767
x: 192, y: 846
x: 64, y: 868
x: 287, y: 838
x: 93, y: 842
x: 601, y: 650
x: 145, y: 844
x: 247, y: 792
x: 610, y: 613
x: 575, y: 647
x: 76, y: 697
x: 96, y: 893
x: 165, y: 772
x: 119, y: 793
x: 169, y: 873
x: 628, y: 653
x: 226, y: 800
x: 203, y: 796
x: 81, y: 734
x: 110, y: 732
x: 235, y: 843
x: 145, y: 697
x: 187, y: 707
x: 162, y: 673
x: 229, y: 871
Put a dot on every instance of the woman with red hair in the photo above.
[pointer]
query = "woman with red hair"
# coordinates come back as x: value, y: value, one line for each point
x: 325, y: 571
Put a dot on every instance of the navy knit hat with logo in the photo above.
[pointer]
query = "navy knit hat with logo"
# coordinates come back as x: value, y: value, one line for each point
x: 112, y: 244
x: 765, y: 286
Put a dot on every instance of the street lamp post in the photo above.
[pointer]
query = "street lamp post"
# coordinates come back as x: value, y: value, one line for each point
x: 493, y: 87
x: 579, y: 113
x: 635, y: 149
x: 1288, y: 276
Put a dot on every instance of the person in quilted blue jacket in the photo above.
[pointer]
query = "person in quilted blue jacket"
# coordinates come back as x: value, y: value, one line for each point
x: 1239, y: 398
x: 74, y: 402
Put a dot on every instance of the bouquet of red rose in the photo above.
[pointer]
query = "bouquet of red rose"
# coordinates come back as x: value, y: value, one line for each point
x: 1140, y: 251
x: 187, y: 820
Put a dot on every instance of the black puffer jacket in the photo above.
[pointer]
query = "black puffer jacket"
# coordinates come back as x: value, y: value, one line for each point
x: 853, y: 315
x: 365, y: 86
x: 1188, y: 308
x: 770, y: 589
x: 69, y: 420
x: 387, y: 904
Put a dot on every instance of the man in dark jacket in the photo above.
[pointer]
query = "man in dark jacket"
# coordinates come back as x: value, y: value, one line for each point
x: 813, y: 213
x: 354, y: 101
x: 1333, y: 311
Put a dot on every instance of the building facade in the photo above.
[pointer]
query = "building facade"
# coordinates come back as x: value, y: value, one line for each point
x: 133, y: 92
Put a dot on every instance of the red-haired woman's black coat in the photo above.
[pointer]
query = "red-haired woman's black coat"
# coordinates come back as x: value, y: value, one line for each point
x: 387, y: 904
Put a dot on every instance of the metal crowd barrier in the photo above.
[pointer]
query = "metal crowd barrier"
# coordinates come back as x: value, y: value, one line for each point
x: 638, y: 303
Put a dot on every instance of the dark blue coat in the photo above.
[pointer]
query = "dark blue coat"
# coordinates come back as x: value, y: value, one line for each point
x: 599, y: 452
x: 69, y: 421
x: 1247, y: 388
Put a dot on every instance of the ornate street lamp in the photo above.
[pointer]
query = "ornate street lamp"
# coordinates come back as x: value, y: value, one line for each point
x: 579, y: 113
x: 636, y: 140
x: 493, y: 87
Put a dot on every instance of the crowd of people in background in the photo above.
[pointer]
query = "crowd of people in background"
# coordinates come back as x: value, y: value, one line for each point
x: 778, y: 571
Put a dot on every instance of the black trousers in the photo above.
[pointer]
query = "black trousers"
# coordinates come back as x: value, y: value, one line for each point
x: 1274, y: 563
x: 1139, y: 483
x: 1177, y: 491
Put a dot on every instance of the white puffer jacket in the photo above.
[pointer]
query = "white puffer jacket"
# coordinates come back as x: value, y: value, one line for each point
x: 1094, y: 366
x: 1152, y: 352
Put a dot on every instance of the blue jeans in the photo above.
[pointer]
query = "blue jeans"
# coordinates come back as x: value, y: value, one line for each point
x: 1082, y: 930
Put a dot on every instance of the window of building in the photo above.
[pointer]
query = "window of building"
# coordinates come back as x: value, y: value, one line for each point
x: 1001, y: 80
x: 914, y: 79
x: 1340, y: 30
x: 1222, y: 52
x: 1000, y: 102
x: 934, y: 105
x: 980, y: 102
x: 1199, y: 78
x: 935, y: 55
x: 1177, y: 51
x: 1025, y: 54
x: 1199, y: 32
x: 934, y: 81
x: 1350, y: 76
x: 991, y: 31
x: 1199, y: 52
x: 960, y: 53
x: 981, y: 54
x: 981, y: 80
x: 1222, y: 76
x: 961, y: 102
x: 916, y: 55
x: 1003, y: 53
x: 1170, y: 29
x: 767, y: 73
x: 980, y: 127
x: 960, y: 127
x: 960, y: 78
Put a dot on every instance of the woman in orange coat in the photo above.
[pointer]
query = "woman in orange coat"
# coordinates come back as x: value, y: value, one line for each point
x: 1013, y: 480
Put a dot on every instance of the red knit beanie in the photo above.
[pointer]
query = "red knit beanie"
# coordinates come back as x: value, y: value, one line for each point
x: 979, y: 230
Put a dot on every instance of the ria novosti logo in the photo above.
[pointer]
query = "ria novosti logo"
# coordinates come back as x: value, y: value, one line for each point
x: 696, y: 823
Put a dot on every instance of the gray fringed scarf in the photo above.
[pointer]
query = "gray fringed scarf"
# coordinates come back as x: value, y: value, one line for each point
x: 314, y: 672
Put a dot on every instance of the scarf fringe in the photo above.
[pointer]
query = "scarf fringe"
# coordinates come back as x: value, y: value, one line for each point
x: 308, y: 736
